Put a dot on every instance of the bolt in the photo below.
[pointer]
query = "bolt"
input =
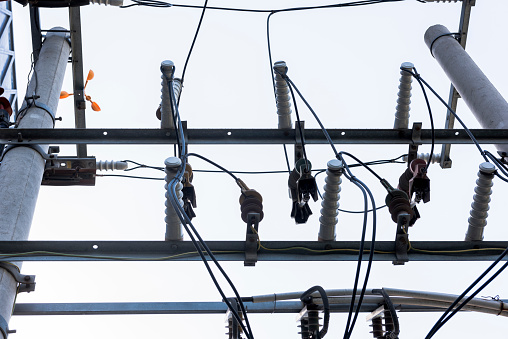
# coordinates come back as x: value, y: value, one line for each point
x: 174, y: 247
x: 27, y: 278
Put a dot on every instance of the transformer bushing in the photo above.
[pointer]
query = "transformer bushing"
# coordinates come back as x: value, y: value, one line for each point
x: 404, y: 97
x: 330, y: 203
x: 282, y: 97
x: 166, y: 109
x: 480, y: 206
x: 173, y: 223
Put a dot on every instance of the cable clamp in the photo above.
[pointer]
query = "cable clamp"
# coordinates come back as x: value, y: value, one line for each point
x: 454, y: 35
x: 31, y: 101
x: 26, y: 282
x: 36, y: 148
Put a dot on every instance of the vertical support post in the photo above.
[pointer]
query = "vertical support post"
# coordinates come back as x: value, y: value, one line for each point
x: 22, y: 167
x: 465, y: 15
x: 77, y: 75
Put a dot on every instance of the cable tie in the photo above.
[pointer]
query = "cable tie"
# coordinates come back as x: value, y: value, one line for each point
x: 442, y: 35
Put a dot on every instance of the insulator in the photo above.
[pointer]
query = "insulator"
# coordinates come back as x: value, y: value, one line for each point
x: 404, y: 97
x: 330, y: 203
x: 436, y: 157
x: 251, y: 202
x: 282, y: 97
x: 304, y: 328
x: 398, y: 202
x: 173, y: 223
x: 377, y: 328
x: 480, y: 206
x: 111, y: 165
x: 166, y: 110
x: 309, y: 325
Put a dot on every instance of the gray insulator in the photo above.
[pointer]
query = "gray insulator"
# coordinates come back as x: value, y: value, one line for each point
x: 480, y: 206
x: 330, y: 203
x: 168, y: 69
x: 404, y: 98
x: 282, y: 97
x: 173, y: 223
x: 111, y: 165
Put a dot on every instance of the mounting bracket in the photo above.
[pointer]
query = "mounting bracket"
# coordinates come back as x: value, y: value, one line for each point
x: 298, y: 140
x: 26, y: 282
x: 252, y: 239
x: 416, y: 139
x: 402, y: 239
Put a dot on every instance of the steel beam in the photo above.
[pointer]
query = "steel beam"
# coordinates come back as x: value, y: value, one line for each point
x: 186, y: 308
x: 224, y: 136
x: 77, y: 75
x: 235, y: 250
x: 465, y: 15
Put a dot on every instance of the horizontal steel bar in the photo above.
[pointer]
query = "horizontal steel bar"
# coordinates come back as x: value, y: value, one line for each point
x: 243, y: 136
x: 234, y: 250
x: 185, y: 308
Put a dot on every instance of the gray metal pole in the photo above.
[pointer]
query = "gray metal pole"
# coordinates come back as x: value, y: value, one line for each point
x: 487, y: 104
x: 22, y: 167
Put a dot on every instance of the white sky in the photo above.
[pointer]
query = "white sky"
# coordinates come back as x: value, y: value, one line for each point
x: 346, y: 63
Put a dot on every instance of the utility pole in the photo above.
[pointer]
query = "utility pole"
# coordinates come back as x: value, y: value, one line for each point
x: 22, y: 167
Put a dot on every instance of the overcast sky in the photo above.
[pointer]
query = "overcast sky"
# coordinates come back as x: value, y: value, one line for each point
x: 346, y: 63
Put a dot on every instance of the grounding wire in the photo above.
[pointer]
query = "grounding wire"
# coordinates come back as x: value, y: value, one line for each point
x: 438, y: 324
x: 186, y: 222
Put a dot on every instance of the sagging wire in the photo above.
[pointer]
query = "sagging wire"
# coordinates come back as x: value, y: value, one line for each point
x: 163, y: 4
x: 351, y: 321
x: 445, y: 317
x: 188, y: 226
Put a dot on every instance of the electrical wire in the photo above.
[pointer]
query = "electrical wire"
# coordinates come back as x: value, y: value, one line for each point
x: 443, y: 319
x: 188, y: 226
x: 417, y: 77
x: 192, y: 45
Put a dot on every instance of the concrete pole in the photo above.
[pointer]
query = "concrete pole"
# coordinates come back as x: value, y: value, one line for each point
x: 482, y: 98
x: 22, y: 167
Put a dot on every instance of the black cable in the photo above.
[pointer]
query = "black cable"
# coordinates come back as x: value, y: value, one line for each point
x: 192, y: 45
x: 391, y: 308
x: 361, y: 163
x: 417, y: 77
x: 439, y: 323
x: 326, y: 307
x: 141, y: 166
x: 160, y: 4
x: 127, y: 176
x: 287, y: 158
x: 358, y: 212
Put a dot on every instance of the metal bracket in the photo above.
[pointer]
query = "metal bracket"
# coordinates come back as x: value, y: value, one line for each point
x: 251, y: 240
x: 298, y: 140
x: 26, y: 282
x: 69, y: 171
x: 185, y: 135
x: 402, y: 239
x: 35, y: 147
x: 416, y: 138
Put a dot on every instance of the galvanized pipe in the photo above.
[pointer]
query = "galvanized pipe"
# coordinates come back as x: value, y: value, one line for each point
x: 480, y: 206
x: 330, y: 203
x: 483, y: 99
x: 404, y: 97
x: 282, y: 97
x: 173, y: 224
x: 22, y: 167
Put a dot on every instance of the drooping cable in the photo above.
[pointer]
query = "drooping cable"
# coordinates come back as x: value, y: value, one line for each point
x: 443, y: 319
x: 188, y: 226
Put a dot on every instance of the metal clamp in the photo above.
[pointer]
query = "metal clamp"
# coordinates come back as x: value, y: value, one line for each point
x: 252, y: 239
x: 402, y: 239
x: 416, y: 139
x: 26, y: 282
x: 298, y: 140
x: 35, y: 147
x: 40, y: 105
